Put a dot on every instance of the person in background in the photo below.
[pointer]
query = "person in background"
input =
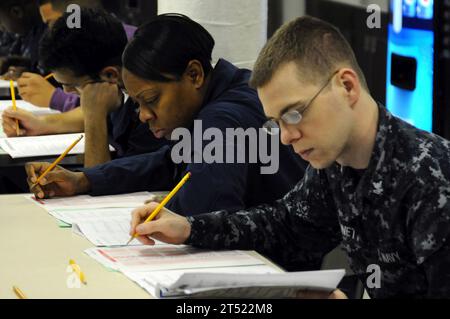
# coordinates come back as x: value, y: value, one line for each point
x: 21, y: 18
x: 33, y: 87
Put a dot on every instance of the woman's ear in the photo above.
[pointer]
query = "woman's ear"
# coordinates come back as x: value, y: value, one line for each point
x: 195, y: 74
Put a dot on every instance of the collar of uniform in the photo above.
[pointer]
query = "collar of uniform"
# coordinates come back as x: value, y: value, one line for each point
x: 376, y: 179
x: 122, y: 118
x: 221, y: 77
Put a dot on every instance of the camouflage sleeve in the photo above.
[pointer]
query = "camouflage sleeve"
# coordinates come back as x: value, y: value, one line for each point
x: 437, y: 272
x: 429, y: 230
x: 296, y: 231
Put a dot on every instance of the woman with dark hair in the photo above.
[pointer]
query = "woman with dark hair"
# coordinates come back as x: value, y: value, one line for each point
x: 171, y: 57
x: 167, y: 71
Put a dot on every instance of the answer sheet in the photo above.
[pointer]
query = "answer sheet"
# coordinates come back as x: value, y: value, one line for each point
x: 106, y: 231
x: 86, y: 201
x: 165, y: 257
x: 74, y: 216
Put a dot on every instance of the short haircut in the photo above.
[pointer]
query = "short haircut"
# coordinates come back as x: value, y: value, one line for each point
x: 165, y: 45
x: 317, y: 47
x: 87, y: 50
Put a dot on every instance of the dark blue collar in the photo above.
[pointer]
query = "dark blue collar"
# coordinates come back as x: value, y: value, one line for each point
x: 221, y: 77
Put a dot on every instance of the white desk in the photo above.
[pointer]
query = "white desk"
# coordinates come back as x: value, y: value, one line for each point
x: 35, y: 253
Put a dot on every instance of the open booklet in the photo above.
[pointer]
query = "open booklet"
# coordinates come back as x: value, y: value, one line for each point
x: 21, y: 104
x: 4, y: 84
x: 250, y: 285
x: 251, y: 281
x: 45, y: 145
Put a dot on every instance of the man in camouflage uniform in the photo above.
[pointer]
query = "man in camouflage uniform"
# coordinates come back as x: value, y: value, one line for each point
x: 376, y: 185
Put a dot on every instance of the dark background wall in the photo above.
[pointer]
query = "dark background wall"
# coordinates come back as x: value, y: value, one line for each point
x: 133, y: 12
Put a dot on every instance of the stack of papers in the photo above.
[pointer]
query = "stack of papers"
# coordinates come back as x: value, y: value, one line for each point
x: 155, y: 282
x: 251, y: 285
x: 184, y: 271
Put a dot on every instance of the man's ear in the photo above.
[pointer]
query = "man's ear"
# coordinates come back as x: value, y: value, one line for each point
x: 351, y: 84
x: 195, y: 74
x: 110, y: 74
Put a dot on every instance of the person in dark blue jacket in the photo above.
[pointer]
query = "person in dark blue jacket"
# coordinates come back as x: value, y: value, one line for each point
x: 167, y: 70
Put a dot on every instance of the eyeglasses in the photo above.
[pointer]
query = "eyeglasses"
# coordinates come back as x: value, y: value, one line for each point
x: 81, y: 83
x: 293, y: 117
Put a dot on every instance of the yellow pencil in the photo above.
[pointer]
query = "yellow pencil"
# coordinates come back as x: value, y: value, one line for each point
x: 19, y: 293
x: 48, y: 76
x: 13, y: 97
x: 56, y: 162
x: 78, y: 271
x: 164, y: 202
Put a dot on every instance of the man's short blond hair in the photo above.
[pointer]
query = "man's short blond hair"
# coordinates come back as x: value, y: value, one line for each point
x: 317, y: 47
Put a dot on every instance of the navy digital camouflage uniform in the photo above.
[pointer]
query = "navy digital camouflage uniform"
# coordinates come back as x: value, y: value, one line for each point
x: 395, y: 214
